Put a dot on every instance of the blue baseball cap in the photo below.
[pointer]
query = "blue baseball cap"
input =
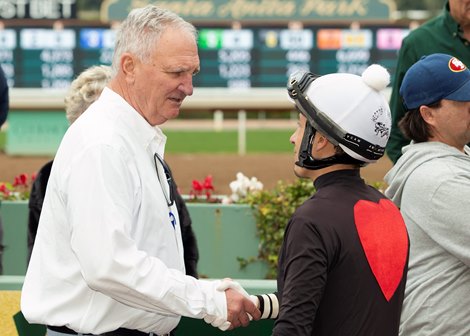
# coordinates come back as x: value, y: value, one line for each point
x: 435, y: 77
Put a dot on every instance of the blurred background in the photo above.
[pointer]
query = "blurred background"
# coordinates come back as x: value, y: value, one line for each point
x: 238, y: 118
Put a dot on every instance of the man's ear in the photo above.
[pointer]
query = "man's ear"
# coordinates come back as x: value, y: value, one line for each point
x: 427, y: 114
x: 321, y: 147
x: 128, y: 66
x: 321, y: 141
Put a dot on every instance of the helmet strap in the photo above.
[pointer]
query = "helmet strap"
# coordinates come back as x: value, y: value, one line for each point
x: 307, y: 161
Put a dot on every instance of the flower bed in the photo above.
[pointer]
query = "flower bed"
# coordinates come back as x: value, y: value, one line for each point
x: 224, y: 233
x: 238, y: 236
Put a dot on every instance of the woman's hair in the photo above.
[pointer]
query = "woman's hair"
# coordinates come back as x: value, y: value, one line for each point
x: 414, y: 127
x: 140, y: 31
x: 85, y: 89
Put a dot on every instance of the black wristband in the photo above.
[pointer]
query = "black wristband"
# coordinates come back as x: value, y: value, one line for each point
x: 261, y: 303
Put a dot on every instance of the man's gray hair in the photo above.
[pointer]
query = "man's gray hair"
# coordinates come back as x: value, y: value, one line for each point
x: 140, y: 31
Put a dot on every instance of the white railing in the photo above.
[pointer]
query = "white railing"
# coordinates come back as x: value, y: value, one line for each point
x: 202, y: 99
x: 261, y: 99
x: 217, y: 100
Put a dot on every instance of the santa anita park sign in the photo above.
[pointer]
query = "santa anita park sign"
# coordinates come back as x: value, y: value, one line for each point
x: 259, y: 10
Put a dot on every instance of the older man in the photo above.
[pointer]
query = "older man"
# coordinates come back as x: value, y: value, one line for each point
x: 108, y: 255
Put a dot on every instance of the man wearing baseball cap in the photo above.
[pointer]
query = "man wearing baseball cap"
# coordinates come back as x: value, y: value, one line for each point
x: 431, y: 185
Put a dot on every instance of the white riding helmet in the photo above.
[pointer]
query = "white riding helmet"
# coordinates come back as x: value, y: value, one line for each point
x: 349, y: 110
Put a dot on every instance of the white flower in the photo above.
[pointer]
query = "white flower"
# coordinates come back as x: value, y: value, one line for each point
x: 242, y: 186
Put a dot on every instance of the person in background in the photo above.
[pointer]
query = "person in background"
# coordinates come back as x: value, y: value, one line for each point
x: 431, y: 185
x: 84, y: 90
x: 4, y: 106
x: 108, y: 255
x: 343, y: 263
x: 4, y: 97
x: 447, y: 33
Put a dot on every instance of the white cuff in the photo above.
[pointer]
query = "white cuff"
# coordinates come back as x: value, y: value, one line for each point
x: 217, y: 313
x: 269, y: 306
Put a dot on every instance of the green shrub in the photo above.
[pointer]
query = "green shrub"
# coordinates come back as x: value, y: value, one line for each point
x: 272, y: 210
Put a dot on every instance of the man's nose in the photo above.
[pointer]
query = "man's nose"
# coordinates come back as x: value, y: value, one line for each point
x: 186, y: 85
x: 292, y: 137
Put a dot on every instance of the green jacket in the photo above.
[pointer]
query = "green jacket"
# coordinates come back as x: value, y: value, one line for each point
x: 438, y: 35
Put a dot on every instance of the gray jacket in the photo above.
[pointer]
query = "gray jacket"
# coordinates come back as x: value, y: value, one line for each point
x: 431, y: 185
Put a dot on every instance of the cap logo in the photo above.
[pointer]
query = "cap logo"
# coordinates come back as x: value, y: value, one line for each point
x: 456, y: 65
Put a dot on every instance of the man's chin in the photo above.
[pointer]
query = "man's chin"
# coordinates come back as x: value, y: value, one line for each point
x: 172, y: 113
x: 164, y: 117
x: 299, y: 171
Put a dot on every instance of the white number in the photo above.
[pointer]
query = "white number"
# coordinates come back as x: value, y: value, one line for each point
x: 53, y: 56
x: 294, y: 67
x: 232, y: 56
x: 349, y: 56
x: 234, y: 70
x: 57, y: 70
x: 298, y: 56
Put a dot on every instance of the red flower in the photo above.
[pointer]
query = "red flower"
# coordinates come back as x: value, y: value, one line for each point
x: 200, y: 188
x: 197, y: 186
x: 18, y: 190
x: 4, y: 189
x: 208, y: 183
x: 21, y: 180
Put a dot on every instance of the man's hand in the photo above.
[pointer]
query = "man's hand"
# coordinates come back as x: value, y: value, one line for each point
x: 240, y: 308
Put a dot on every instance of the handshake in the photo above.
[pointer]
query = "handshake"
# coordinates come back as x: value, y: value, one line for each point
x: 241, y: 309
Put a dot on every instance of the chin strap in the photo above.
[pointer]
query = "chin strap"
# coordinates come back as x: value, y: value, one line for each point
x: 308, y: 162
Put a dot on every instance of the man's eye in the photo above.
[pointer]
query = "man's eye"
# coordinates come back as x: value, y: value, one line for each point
x: 176, y: 74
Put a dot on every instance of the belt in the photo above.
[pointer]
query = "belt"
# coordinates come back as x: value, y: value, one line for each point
x: 117, y: 332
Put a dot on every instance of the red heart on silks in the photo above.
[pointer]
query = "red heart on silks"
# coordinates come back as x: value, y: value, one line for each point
x: 384, y: 238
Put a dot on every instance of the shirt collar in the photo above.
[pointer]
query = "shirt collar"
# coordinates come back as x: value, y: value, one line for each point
x: 451, y: 24
x: 338, y: 176
x: 149, y: 136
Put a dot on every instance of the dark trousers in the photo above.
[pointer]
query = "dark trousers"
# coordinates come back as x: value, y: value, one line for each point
x: 118, y: 332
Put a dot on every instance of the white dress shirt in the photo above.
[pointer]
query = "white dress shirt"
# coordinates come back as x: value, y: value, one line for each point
x: 107, y: 254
